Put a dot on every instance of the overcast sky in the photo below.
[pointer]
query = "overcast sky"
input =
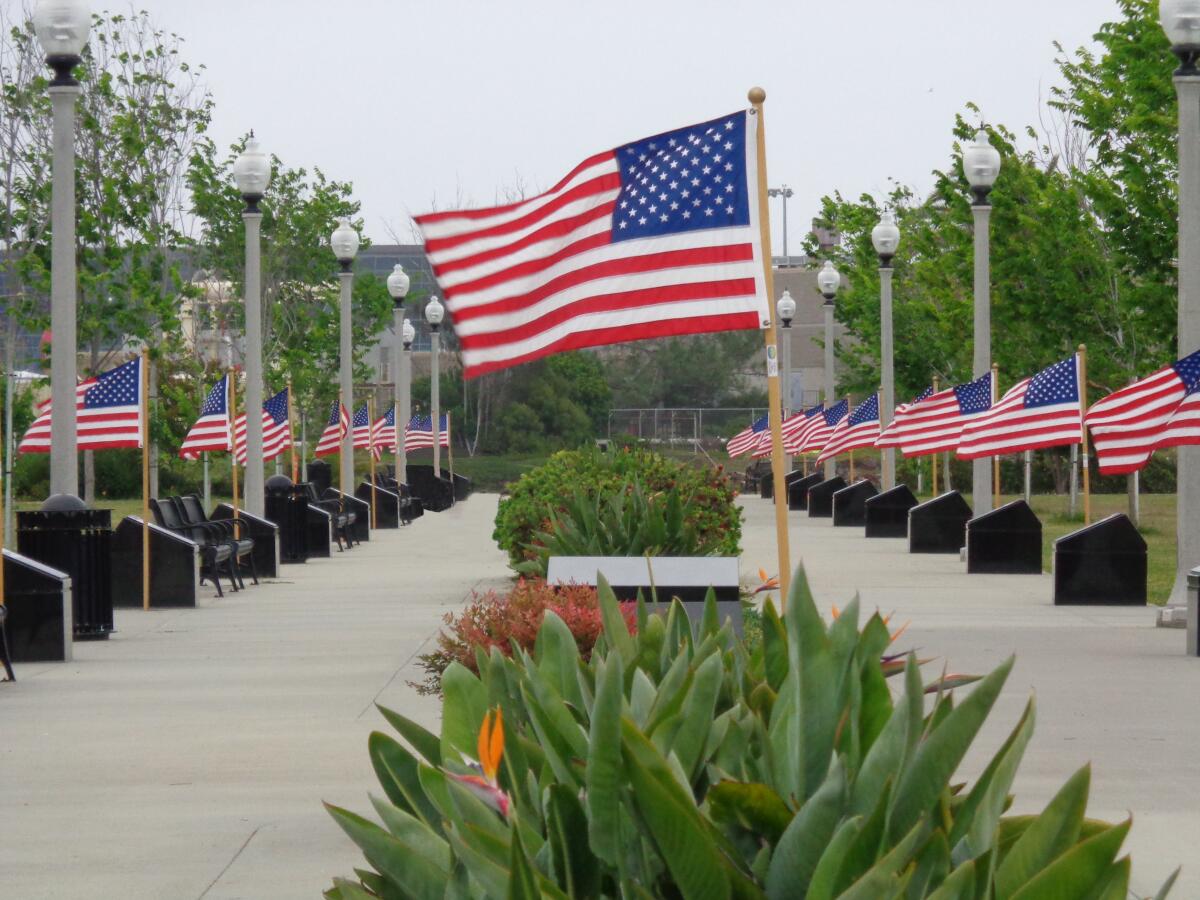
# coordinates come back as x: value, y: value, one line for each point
x: 420, y: 102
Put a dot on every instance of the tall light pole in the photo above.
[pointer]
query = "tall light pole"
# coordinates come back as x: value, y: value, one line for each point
x: 828, y: 282
x: 786, y: 307
x: 785, y: 192
x: 1181, y: 21
x: 886, y: 238
x: 981, y: 165
x: 397, y: 284
x: 62, y: 28
x: 252, y: 172
x: 345, y: 247
x: 404, y: 410
x: 434, y: 312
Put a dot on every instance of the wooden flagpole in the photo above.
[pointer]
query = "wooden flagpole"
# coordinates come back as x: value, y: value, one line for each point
x: 145, y: 384
x: 995, y: 459
x: 1083, y: 455
x: 371, y: 453
x: 292, y: 436
x: 449, y: 446
x: 233, y: 453
x: 757, y: 97
x: 936, y: 385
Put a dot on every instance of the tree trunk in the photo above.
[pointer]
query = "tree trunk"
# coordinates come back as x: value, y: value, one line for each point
x: 946, y: 472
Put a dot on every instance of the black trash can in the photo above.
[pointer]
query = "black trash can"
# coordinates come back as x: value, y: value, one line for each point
x: 320, y: 475
x: 287, y: 507
x: 66, y: 535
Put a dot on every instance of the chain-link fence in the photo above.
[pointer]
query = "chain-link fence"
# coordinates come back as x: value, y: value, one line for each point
x: 693, y: 428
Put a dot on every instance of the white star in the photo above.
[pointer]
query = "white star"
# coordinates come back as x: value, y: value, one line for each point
x: 642, y: 157
x: 642, y: 220
x: 696, y: 202
x: 642, y: 200
x: 708, y: 190
x: 685, y: 193
x: 674, y: 205
x: 686, y: 214
x: 671, y: 142
x: 706, y: 170
x: 728, y: 167
x: 729, y: 188
x: 708, y: 212
x: 705, y: 149
x: 717, y: 179
x: 685, y: 173
x: 653, y: 146
x: 662, y: 196
x: 729, y: 145
x: 729, y: 209
x: 716, y: 157
x: 663, y: 217
x: 695, y: 182
x: 624, y: 203
x: 653, y: 208
x: 729, y: 126
x: 673, y: 185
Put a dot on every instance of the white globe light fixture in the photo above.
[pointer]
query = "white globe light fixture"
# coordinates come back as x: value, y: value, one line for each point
x: 886, y: 238
x: 1180, y: 19
x: 786, y: 307
x: 62, y: 28
x: 398, y: 284
x: 981, y: 165
x: 344, y: 243
x: 828, y: 281
x: 434, y: 313
x: 252, y: 173
x: 410, y: 334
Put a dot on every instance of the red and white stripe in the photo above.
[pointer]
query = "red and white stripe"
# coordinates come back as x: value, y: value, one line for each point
x: 331, y: 437
x: 846, y: 437
x: 815, y: 438
x: 109, y: 428
x: 276, y: 438
x: 934, y: 425
x: 1008, y: 427
x: 1130, y: 424
x: 797, y: 429
x: 543, y: 276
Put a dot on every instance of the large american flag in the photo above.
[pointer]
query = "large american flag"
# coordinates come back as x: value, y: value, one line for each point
x: 211, y: 431
x: 1160, y: 410
x: 823, y: 425
x: 277, y: 430
x: 331, y: 438
x: 857, y: 430
x: 419, y: 433
x: 1042, y: 411
x: 797, y: 427
x: 747, y: 439
x: 108, y: 412
x: 364, y: 431
x: 658, y: 237
x: 933, y: 423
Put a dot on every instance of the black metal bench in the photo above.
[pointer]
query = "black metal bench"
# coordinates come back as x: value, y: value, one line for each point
x: 340, y: 517
x: 4, y: 657
x: 191, y: 510
x: 215, y: 551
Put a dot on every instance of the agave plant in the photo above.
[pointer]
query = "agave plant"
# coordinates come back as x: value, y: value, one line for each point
x: 629, y: 522
x: 674, y: 764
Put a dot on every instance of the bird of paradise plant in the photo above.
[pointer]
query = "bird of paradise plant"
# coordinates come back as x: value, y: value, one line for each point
x: 491, y: 751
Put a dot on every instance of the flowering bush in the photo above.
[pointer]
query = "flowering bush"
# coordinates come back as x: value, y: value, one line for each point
x: 500, y: 620
x: 712, y: 514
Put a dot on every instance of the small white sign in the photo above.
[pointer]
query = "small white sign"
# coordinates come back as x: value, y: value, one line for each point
x: 772, y: 361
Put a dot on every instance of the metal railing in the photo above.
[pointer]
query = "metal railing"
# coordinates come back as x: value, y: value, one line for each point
x: 694, y: 427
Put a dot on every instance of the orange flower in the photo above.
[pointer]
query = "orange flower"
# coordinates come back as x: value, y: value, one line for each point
x: 769, y: 583
x: 491, y: 744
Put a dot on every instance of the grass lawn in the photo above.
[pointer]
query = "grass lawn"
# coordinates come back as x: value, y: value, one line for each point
x: 120, y: 508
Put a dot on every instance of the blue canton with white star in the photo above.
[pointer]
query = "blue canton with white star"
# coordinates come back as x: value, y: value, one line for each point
x: 809, y: 413
x: 389, y: 418
x: 1057, y: 384
x: 837, y: 412
x: 333, y: 414
x: 118, y: 387
x: 867, y: 411
x: 277, y: 408
x: 214, y: 405
x: 1188, y: 370
x: 687, y: 180
x: 361, y: 419
x: 924, y: 395
x: 974, y: 396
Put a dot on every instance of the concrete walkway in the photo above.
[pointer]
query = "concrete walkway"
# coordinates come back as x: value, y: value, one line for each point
x: 187, y: 756
x: 1111, y: 688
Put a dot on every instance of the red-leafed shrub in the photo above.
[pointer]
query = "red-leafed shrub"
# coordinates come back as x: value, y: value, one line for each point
x: 497, y: 620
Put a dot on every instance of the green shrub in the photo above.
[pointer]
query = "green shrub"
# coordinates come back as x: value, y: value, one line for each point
x: 677, y: 766
x: 624, y: 522
x: 713, y: 514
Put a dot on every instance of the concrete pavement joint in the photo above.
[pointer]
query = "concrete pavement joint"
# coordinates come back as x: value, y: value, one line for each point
x: 229, y: 864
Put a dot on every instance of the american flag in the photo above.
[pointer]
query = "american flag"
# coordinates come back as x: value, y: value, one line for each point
x: 1160, y: 410
x: 823, y: 426
x: 385, y: 430
x: 419, y: 433
x: 331, y: 438
x: 658, y: 237
x: 1042, y: 411
x: 793, y: 423
x: 211, y: 431
x: 108, y: 410
x: 364, y: 432
x: 277, y: 430
x: 857, y: 430
x: 796, y: 428
x: 747, y: 439
x: 933, y: 423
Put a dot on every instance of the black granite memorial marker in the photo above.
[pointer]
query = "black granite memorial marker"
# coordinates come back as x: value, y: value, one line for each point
x: 174, y: 567
x: 1102, y: 564
x: 887, y: 513
x: 798, y: 490
x: 939, y: 525
x: 1005, y: 541
x: 766, y: 486
x: 820, y: 497
x: 38, y: 599
x: 849, y: 504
